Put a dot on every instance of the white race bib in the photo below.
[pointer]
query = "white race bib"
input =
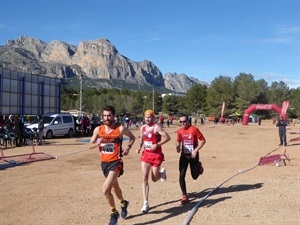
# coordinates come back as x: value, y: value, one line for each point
x: 187, y: 149
x: 107, y: 148
x: 147, y: 145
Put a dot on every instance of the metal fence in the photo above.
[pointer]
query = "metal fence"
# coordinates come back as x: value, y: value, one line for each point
x: 28, y: 94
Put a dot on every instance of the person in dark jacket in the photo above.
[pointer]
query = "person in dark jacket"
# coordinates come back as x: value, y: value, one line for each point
x: 18, y: 130
x: 281, y: 124
x: 10, y: 126
x: 40, y: 129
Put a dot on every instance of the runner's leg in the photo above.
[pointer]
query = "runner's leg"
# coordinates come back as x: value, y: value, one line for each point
x: 145, y: 177
x: 183, y: 164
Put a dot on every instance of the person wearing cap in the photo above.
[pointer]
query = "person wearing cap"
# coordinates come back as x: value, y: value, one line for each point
x: 189, y: 141
x: 281, y: 124
x: 152, y: 138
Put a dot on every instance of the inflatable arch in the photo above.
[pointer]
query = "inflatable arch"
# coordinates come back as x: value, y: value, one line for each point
x: 255, y: 107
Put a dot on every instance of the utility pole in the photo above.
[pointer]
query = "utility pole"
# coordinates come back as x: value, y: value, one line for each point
x: 80, y: 96
x: 153, y: 99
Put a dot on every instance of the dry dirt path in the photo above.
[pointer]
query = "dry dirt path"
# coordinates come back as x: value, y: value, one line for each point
x: 67, y: 190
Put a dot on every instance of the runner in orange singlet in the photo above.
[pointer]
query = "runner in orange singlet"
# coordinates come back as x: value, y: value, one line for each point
x: 189, y: 142
x: 152, y: 138
x: 109, y: 138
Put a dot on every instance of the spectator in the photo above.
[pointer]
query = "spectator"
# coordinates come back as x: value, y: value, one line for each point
x: 2, y: 122
x: 40, y: 129
x: 18, y: 130
x: 85, y: 123
x: 10, y: 123
x: 161, y: 121
x: 281, y: 124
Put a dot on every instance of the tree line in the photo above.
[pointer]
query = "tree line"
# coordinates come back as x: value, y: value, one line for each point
x: 238, y: 94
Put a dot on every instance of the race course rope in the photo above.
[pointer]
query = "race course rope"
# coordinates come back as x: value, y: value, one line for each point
x: 195, y: 208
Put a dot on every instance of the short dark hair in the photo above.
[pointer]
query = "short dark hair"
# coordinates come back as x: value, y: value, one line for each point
x: 184, y: 115
x: 188, y: 118
x: 110, y: 109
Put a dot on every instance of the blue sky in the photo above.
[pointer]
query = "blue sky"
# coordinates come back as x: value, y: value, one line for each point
x: 201, y: 38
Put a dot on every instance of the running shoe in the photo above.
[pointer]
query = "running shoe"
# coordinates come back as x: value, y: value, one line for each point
x: 145, y: 207
x: 124, y: 209
x: 184, y: 199
x: 114, y: 216
x: 163, y: 175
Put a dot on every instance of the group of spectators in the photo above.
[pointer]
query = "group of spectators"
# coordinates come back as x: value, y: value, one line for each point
x: 13, y: 126
x: 85, y: 125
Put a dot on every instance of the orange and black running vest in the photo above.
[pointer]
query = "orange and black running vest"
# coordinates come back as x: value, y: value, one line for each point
x: 111, y: 145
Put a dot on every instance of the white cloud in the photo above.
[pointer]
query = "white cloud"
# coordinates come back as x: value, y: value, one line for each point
x: 287, y: 30
x: 290, y: 80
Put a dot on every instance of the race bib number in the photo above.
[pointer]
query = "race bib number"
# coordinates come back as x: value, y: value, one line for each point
x: 188, y: 149
x: 107, y: 148
x: 147, y: 145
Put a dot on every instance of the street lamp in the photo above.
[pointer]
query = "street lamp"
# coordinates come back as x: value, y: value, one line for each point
x: 80, y: 97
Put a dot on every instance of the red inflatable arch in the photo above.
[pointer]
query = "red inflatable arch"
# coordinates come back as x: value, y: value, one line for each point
x: 255, y: 107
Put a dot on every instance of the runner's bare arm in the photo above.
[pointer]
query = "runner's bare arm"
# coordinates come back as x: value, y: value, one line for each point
x: 178, y: 149
x: 165, y: 137
x: 141, y: 142
x: 198, y: 147
x: 178, y: 143
x: 93, y: 141
x: 201, y: 142
x: 128, y: 133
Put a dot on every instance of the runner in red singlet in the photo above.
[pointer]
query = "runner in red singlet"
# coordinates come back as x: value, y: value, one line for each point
x: 189, y: 142
x: 108, y: 138
x: 152, y: 138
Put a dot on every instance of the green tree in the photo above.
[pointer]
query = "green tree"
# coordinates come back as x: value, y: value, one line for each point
x: 261, y: 91
x: 137, y: 102
x: 69, y: 98
x: 221, y: 89
x: 147, y: 104
x: 278, y: 92
x: 182, y: 105
x: 170, y: 104
x: 294, y: 109
x: 196, y: 98
x: 245, y: 91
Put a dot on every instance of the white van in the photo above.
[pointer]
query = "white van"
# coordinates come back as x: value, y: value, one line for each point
x: 56, y: 125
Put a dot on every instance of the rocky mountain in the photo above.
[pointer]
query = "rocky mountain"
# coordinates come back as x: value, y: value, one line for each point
x: 180, y: 82
x: 97, y: 61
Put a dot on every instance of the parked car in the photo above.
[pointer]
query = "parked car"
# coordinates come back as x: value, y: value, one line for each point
x: 56, y: 125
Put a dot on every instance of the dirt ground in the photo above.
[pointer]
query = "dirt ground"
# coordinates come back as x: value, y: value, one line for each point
x: 67, y: 190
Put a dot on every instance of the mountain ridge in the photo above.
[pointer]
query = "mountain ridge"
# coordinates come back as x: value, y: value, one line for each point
x: 96, y: 60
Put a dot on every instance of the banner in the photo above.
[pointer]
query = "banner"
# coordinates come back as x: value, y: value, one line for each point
x: 285, y: 106
x: 223, y: 107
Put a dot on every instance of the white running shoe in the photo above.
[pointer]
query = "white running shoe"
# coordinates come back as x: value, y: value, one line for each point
x: 163, y: 175
x: 145, y: 207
